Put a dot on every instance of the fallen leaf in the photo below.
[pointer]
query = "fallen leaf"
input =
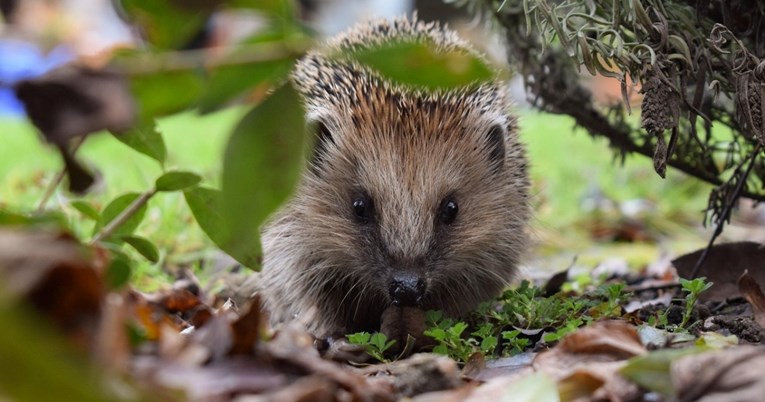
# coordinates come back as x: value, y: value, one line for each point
x: 752, y: 292
x: 57, y: 276
x: 721, y: 376
x: 613, y: 337
x: 519, y: 365
x: 538, y: 387
x: 652, y: 370
x: 421, y: 373
x: 555, y: 283
x: 306, y: 389
x: 247, y: 329
x: 723, y: 266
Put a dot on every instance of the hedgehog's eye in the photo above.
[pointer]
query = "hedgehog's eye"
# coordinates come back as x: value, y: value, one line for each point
x: 363, y: 208
x: 448, y: 210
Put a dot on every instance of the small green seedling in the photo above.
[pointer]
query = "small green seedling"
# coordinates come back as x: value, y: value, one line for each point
x: 376, y: 344
x: 448, y: 334
x: 694, y: 288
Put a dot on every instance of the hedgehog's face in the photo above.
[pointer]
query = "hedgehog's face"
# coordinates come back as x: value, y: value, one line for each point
x: 414, y: 198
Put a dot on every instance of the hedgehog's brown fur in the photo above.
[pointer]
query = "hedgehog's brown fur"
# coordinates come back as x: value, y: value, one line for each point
x: 407, y: 149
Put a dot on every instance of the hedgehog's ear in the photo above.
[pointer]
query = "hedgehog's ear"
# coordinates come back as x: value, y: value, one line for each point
x: 322, y: 140
x: 495, y: 144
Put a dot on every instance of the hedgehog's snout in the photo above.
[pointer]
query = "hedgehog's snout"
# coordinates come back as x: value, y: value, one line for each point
x: 406, y: 289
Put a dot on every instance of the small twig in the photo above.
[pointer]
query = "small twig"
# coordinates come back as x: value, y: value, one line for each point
x: 59, y: 176
x: 190, y: 59
x: 124, y: 216
x: 725, y: 216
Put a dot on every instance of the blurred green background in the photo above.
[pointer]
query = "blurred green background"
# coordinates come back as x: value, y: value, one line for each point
x: 587, y: 205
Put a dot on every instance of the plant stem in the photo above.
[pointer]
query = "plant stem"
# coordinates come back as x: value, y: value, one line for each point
x: 124, y: 215
x: 59, y: 177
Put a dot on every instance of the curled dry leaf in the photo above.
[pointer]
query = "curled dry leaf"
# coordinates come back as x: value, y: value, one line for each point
x: 752, y: 292
x: 247, y: 329
x: 614, y: 338
x: 74, y: 101
x: 721, y: 376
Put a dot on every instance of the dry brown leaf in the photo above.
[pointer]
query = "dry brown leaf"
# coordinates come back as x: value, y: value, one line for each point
x: 615, y: 338
x: 293, y: 346
x: 306, y: 389
x: 56, y: 275
x: 520, y: 364
x: 247, y: 329
x: 216, y: 381
x: 72, y: 101
x: 752, y: 292
x: 453, y: 395
x: 721, y: 376
x: 723, y: 266
x: 421, y: 373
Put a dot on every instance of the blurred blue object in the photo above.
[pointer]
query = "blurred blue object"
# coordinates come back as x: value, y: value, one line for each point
x: 20, y: 60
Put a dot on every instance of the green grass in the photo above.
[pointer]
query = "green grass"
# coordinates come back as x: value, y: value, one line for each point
x: 567, y: 165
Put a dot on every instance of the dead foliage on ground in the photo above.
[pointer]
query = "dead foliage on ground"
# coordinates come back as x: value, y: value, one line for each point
x: 185, y: 343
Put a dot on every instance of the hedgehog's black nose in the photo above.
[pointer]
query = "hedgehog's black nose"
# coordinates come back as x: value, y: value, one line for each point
x: 406, y: 289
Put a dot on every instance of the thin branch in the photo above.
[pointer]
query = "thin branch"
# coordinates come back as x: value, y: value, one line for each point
x: 126, y: 214
x: 59, y: 176
x: 151, y: 63
x: 725, y: 215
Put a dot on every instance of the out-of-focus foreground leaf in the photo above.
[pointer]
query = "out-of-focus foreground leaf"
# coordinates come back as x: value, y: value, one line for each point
x: 205, y: 204
x: 262, y: 164
x: 169, y: 24
x: 115, y: 207
x: 265, y: 57
x: 176, y: 181
x: 420, y: 65
x: 27, y: 371
x: 145, y: 139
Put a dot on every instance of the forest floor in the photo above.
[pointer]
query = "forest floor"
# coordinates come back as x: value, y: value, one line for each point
x: 615, y: 323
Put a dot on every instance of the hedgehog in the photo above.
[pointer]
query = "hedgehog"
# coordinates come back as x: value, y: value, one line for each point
x: 411, y: 198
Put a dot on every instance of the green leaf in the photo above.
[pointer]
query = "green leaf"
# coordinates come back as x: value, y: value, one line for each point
x: 86, y: 209
x: 280, y: 8
x: 146, y: 140
x: 421, y: 65
x: 538, y: 387
x: 380, y: 341
x: 176, y: 181
x: 436, y: 333
x: 114, y: 208
x: 359, y: 338
x: 38, y: 365
x: 144, y: 246
x: 488, y: 344
x: 261, y: 166
x: 652, y: 370
x: 170, y: 23
x: 48, y: 218
x: 441, y: 350
x: 229, y: 82
x: 118, y: 273
x: 205, y: 205
x: 164, y: 92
